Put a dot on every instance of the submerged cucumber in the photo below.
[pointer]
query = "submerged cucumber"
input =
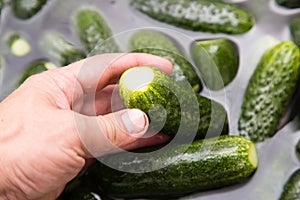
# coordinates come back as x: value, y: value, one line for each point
x: 269, y: 91
x: 291, y: 190
x: 289, y: 3
x: 172, y: 108
x: 198, y: 15
x: 18, y: 45
x: 200, y: 166
x: 59, y: 49
x: 295, y: 30
x: 298, y: 150
x: 25, y: 9
x: 217, y: 60
x: 35, y: 68
x: 157, y: 43
x: 94, y: 33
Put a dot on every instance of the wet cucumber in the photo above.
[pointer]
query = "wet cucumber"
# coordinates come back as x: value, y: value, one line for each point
x: 217, y: 60
x: 35, y: 68
x: 59, y: 49
x: 269, y: 91
x: 289, y: 3
x: 172, y: 108
x: 198, y: 15
x: 177, y: 170
x: 94, y: 33
x: 25, y: 9
x: 159, y: 44
x: 295, y: 30
x: 298, y: 150
x: 18, y: 44
x: 291, y: 190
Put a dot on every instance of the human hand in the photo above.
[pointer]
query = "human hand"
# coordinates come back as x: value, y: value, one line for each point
x: 57, y: 120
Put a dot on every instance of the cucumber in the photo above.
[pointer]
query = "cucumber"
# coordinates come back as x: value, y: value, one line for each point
x: 269, y: 91
x: 94, y: 33
x: 198, y: 15
x: 159, y: 44
x: 295, y: 30
x: 289, y: 3
x: 61, y: 51
x: 203, y: 165
x: 25, y: 9
x: 18, y: 45
x: 298, y: 150
x: 217, y: 60
x: 172, y: 108
x: 291, y: 190
x: 35, y: 68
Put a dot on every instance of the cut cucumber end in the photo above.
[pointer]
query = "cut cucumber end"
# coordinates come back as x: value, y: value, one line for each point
x: 253, y: 159
x: 20, y: 47
x: 138, y: 78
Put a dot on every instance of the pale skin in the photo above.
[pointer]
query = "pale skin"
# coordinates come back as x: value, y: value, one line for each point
x: 48, y: 134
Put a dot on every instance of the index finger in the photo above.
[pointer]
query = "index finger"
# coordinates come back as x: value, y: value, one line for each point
x: 97, y: 72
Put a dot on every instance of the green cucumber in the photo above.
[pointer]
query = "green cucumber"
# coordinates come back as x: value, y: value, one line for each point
x: 25, y: 9
x: 295, y: 30
x: 198, y: 15
x: 18, y: 45
x: 157, y: 43
x: 291, y: 190
x: 177, y: 170
x: 298, y: 150
x: 172, y: 108
x: 269, y: 91
x: 61, y: 51
x: 289, y: 3
x: 35, y: 68
x: 217, y: 60
x: 94, y: 33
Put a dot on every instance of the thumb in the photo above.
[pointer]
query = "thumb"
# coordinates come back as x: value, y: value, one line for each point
x: 112, y: 132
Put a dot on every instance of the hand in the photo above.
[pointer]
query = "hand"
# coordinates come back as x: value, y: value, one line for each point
x: 57, y: 120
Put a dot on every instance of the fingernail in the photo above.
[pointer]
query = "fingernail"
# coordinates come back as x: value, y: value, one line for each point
x: 134, y: 121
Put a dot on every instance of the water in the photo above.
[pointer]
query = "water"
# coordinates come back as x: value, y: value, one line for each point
x: 277, y: 158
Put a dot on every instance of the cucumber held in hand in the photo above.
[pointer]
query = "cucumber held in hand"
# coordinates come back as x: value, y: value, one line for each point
x: 217, y: 60
x: 200, y: 166
x: 157, y: 43
x: 59, y: 49
x: 94, y: 33
x: 291, y: 190
x: 198, y: 15
x: 25, y: 9
x: 172, y: 108
x: 269, y: 91
x: 289, y: 3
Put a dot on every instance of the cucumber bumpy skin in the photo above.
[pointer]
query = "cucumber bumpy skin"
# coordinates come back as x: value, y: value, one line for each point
x: 171, y: 107
x: 198, y: 15
x: 25, y: 9
x: 203, y: 165
x: 59, y: 49
x: 217, y: 60
x: 94, y: 33
x: 157, y: 43
x: 291, y: 190
x: 269, y: 91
